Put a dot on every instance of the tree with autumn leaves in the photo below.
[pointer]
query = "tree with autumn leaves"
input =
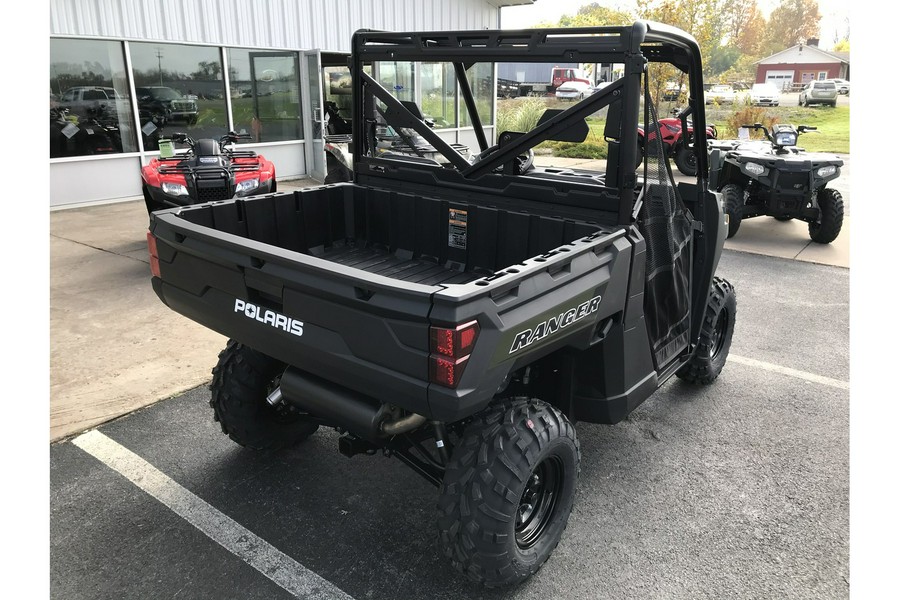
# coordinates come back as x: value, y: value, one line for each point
x: 732, y: 34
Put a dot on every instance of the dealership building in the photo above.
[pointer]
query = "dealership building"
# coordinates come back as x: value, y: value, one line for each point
x: 126, y: 73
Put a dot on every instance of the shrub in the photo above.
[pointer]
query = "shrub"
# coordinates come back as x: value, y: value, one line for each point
x: 583, y: 150
x: 520, y: 115
x: 748, y: 115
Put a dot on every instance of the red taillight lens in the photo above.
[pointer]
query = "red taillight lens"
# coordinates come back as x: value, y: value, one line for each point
x: 154, y: 255
x: 446, y: 371
x: 456, y: 342
x: 450, y: 350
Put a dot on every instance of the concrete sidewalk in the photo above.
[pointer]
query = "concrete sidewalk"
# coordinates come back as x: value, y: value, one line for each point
x: 114, y: 347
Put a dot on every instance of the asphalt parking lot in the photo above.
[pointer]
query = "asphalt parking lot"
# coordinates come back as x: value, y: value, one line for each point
x: 735, y: 490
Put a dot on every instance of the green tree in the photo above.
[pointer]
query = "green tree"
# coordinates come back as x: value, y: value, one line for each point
x: 842, y: 46
x: 703, y: 19
x: 593, y: 15
x: 791, y: 23
x: 722, y: 58
x: 744, y: 25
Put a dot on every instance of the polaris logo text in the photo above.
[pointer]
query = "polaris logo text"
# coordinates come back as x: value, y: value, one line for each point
x: 269, y: 317
x: 525, y: 338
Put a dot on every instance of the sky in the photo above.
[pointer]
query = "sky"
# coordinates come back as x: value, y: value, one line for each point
x: 835, y: 14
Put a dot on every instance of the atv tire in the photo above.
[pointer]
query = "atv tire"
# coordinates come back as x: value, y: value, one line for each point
x: 831, y: 217
x: 733, y: 199
x: 241, y: 381
x: 715, y: 335
x: 508, y: 491
x: 337, y: 173
x: 686, y: 160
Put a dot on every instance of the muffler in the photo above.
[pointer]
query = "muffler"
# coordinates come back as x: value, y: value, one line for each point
x: 357, y: 413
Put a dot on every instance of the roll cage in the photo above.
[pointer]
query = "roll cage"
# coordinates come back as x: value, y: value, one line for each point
x: 635, y: 46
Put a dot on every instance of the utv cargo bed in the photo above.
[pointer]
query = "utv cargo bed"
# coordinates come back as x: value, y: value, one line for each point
x: 402, y: 236
x: 337, y: 260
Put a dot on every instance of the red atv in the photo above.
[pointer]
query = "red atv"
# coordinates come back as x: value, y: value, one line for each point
x: 677, y: 145
x: 209, y: 170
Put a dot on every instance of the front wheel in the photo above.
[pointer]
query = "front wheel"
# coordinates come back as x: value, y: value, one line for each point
x: 831, y: 217
x: 242, y: 380
x: 508, y: 491
x: 715, y: 335
x: 686, y: 160
x: 733, y: 198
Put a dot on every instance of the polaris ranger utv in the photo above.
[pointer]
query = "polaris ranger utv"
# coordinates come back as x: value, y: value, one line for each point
x: 462, y: 315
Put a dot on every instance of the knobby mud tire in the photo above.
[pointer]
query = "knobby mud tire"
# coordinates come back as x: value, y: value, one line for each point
x: 496, y: 522
x: 241, y: 381
x: 733, y: 199
x: 831, y: 218
x: 686, y: 161
x: 715, y: 335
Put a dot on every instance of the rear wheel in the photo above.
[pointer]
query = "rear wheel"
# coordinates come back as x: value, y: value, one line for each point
x: 715, y: 335
x: 508, y: 491
x: 686, y: 160
x: 242, y: 380
x: 733, y: 198
x: 831, y: 217
x: 336, y: 172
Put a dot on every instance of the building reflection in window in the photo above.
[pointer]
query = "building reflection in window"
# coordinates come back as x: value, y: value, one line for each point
x: 179, y: 88
x: 90, y: 108
x: 265, y: 94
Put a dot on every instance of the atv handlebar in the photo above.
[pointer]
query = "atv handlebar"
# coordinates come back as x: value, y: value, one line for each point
x: 228, y: 138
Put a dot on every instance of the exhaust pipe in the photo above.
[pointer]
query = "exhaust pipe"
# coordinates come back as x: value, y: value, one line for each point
x: 357, y: 413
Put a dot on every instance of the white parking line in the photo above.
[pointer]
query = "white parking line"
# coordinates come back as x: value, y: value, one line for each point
x: 812, y: 377
x: 255, y: 551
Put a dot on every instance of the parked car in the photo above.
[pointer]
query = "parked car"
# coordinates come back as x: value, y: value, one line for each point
x: 673, y: 91
x: 79, y: 100
x: 574, y: 90
x: 818, y: 92
x: 721, y: 94
x: 764, y: 94
x: 843, y: 86
x: 600, y: 86
x: 169, y: 103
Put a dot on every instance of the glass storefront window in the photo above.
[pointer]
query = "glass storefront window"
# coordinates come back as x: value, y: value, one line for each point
x: 438, y: 84
x: 338, y: 97
x: 179, y: 88
x: 397, y: 77
x: 481, y: 80
x: 90, y: 107
x: 265, y: 94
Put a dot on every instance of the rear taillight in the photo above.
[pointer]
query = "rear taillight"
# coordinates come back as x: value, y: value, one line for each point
x: 450, y: 351
x: 154, y: 255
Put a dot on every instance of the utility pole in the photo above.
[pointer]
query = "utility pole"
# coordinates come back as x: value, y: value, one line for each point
x: 159, y: 62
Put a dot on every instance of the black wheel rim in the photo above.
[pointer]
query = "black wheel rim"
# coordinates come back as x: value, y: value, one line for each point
x: 718, y: 336
x: 538, y: 502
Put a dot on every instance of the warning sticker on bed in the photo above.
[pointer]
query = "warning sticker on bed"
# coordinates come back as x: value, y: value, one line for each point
x: 458, y: 224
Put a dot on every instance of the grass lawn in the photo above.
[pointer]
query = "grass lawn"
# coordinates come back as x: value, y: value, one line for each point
x: 832, y: 135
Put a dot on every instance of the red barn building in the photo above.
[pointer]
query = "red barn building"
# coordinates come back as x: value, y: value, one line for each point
x: 802, y: 63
